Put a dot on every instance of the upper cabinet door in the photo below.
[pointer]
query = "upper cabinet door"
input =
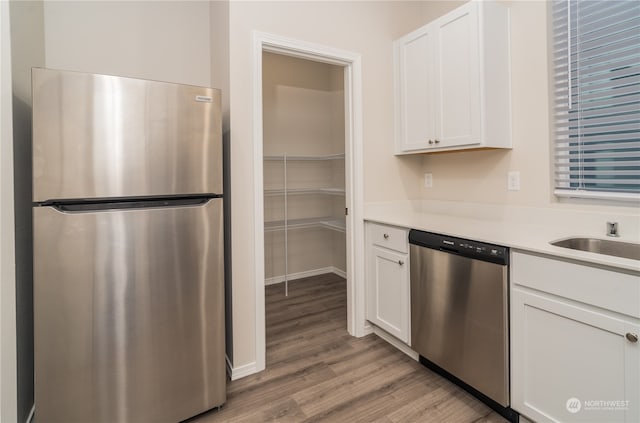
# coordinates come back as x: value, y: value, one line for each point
x: 458, y: 89
x: 415, y: 120
x: 452, y: 82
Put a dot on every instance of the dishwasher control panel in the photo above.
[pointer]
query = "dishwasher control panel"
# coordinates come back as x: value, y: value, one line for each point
x: 464, y: 247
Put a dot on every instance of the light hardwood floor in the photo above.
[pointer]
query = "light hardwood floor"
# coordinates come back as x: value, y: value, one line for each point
x: 317, y: 372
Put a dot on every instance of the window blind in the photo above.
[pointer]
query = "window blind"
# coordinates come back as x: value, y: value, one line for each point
x: 597, y: 98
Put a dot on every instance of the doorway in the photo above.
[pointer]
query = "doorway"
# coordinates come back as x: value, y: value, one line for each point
x: 353, y: 225
x: 304, y: 200
x: 303, y: 169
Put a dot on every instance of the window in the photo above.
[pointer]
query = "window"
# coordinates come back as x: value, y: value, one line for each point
x: 597, y: 98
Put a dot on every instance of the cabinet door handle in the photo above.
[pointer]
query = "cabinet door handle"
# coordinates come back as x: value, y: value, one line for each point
x: 437, y: 141
x: 386, y: 236
x: 430, y: 141
x: 400, y: 262
x: 631, y: 337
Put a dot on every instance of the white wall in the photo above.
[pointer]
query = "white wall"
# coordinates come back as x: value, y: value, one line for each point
x: 297, y: 101
x: 27, y: 51
x: 219, y: 27
x: 336, y: 76
x: 219, y: 22
x: 8, y: 388
x: 367, y: 28
x: 160, y: 40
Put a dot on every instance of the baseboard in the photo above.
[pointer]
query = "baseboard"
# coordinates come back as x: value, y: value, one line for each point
x: 368, y: 328
x: 396, y: 343
x: 307, y: 273
x: 339, y: 272
x: 239, y: 372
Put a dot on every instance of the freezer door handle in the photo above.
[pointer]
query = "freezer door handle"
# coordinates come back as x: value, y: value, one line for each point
x: 121, y: 204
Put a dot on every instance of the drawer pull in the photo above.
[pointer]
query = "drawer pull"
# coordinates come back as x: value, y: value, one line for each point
x: 631, y: 337
x: 386, y: 236
x: 401, y: 262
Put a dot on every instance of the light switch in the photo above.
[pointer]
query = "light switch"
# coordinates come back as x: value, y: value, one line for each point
x: 513, y: 181
x: 428, y: 180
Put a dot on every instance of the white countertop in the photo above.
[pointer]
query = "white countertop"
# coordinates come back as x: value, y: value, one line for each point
x: 521, y: 228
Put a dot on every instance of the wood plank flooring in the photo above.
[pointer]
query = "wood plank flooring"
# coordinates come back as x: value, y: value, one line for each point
x: 317, y: 372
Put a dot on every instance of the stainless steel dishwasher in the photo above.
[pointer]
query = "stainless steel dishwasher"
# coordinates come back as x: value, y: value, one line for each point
x: 460, y: 313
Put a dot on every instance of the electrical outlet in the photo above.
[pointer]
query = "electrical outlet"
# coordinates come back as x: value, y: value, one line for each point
x: 428, y: 180
x: 513, y: 181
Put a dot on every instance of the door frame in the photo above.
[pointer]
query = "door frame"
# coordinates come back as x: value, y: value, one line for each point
x: 264, y: 42
x: 8, y: 340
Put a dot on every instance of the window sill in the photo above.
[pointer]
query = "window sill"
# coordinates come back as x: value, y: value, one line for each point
x: 617, y: 197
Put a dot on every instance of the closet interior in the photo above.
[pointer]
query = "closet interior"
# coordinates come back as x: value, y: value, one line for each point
x: 304, y: 168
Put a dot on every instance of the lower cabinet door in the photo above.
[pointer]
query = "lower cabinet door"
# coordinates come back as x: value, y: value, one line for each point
x: 572, y: 364
x: 388, y: 292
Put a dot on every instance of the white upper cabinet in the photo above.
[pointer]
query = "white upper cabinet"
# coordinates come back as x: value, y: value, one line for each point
x: 457, y: 92
x: 415, y: 113
x: 452, y: 82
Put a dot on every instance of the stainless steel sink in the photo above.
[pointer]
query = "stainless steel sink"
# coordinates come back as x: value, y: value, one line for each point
x: 601, y: 246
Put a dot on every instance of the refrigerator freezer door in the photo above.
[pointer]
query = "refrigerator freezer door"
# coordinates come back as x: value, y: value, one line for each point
x: 129, y: 314
x: 99, y: 136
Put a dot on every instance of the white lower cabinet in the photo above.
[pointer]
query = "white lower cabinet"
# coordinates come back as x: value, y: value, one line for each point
x: 570, y: 361
x: 388, y: 301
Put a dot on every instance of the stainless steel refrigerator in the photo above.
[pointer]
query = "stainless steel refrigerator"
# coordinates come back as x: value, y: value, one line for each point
x: 128, y: 249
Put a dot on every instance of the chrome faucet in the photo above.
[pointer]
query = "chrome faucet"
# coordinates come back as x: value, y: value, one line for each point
x: 612, y: 229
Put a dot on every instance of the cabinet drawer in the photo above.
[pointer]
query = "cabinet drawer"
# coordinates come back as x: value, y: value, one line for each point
x: 607, y: 289
x: 389, y: 237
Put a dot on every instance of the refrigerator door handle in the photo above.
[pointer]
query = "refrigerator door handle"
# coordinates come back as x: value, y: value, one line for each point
x: 83, y: 207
